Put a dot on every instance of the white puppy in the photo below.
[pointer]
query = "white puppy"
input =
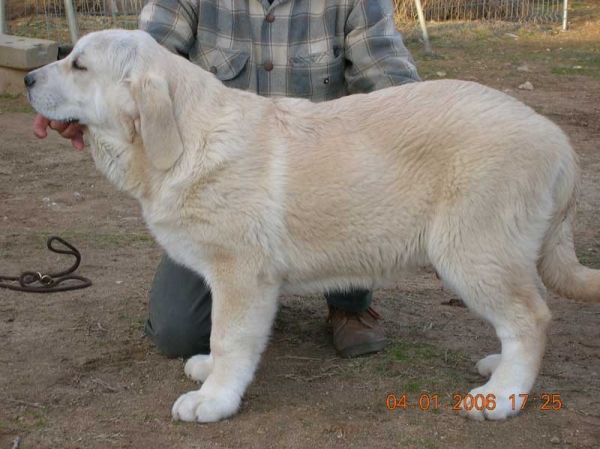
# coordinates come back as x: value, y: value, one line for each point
x: 262, y: 196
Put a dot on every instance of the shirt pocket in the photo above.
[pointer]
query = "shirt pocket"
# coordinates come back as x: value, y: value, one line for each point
x: 317, y: 76
x: 228, y: 65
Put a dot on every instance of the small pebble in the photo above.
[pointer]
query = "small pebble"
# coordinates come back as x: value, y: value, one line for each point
x: 526, y: 86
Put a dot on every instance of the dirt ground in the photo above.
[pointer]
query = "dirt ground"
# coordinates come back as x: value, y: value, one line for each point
x: 77, y: 372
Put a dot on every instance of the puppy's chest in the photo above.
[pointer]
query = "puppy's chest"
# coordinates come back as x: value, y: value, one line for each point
x: 172, y: 233
x: 180, y: 247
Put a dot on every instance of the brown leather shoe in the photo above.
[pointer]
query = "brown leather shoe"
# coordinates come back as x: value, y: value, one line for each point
x: 356, y: 334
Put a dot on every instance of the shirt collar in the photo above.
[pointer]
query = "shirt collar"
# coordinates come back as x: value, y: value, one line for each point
x: 266, y: 4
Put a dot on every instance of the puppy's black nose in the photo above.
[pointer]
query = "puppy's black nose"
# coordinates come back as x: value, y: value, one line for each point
x: 29, y: 80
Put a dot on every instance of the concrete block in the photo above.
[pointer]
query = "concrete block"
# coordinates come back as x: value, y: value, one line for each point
x: 26, y: 53
x: 11, y: 80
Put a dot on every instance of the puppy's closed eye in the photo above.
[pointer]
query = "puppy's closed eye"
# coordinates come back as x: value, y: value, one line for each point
x: 77, y: 66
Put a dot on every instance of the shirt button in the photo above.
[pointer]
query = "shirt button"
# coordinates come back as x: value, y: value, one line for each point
x: 326, y: 81
x: 268, y: 66
x: 270, y: 17
x: 213, y: 70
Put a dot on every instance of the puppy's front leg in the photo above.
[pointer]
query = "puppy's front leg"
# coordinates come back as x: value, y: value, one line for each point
x: 244, y: 307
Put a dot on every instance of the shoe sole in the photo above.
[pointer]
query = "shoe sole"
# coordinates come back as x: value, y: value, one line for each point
x: 367, y: 348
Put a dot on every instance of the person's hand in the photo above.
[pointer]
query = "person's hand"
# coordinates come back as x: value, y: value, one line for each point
x: 71, y: 131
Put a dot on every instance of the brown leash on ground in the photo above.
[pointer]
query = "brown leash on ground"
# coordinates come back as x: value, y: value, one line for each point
x: 49, y: 283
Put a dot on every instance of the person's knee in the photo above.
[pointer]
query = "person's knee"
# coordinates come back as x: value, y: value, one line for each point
x: 180, y: 307
x: 177, y: 340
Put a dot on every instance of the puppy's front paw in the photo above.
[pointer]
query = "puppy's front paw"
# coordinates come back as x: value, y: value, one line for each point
x: 486, y: 404
x: 199, y: 367
x: 185, y: 406
x: 206, y: 407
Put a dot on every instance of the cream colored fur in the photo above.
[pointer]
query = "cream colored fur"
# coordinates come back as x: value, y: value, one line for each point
x: 262, y: 196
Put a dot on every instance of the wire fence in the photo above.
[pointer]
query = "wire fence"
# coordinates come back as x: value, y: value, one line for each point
x: 536, y: 11
x: 48, y: 18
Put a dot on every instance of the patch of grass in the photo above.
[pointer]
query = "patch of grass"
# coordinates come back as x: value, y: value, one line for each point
x: 386, y: 369
x: 413, y: 387
x: 398, y: 352
x: 148, y: 417
x: 590, y: 258
x: 7, y: 96
x: 424, y: 443
x: 418, y: 368
x: 358, y: 365
x: 426, y: 352
x: 99, y: 240
x: 32, y: 418
x: 403, y: 350
x: 483, y: 33
x: 40, y: 424
x: 579, y: 5
x: 582, y: 56
x: 466, y: 50
x: 455, y: 358
x: 138, y: 324
x: 15, y: 103
x: 585, y: 71
x: 593, y: 60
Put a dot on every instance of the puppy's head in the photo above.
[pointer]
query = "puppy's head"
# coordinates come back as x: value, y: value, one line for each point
x: 115, y: 83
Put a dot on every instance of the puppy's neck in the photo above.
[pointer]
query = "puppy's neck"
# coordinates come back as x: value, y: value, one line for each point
x: 205, y: 111
x: 124, y: 164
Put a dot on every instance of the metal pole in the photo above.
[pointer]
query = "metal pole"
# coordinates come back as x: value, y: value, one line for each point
x: 2, y: 16
x: 70, y: 11
x: 115, y: 11
x: 565, y: 14
x: 424, y: 27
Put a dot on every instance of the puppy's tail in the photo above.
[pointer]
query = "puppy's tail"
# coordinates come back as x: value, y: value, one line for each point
x: 558, y: 264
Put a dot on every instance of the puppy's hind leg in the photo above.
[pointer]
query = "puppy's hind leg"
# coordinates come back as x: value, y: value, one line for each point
x: 244, y: 308
x: 501, y: 284
x: 512, y: 303
x: 487, y: 365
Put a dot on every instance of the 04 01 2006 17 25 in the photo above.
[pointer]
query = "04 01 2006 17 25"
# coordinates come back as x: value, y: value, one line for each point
x: 468, y: 402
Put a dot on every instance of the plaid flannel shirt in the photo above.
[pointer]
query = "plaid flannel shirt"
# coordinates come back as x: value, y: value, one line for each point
x: 316, y: 49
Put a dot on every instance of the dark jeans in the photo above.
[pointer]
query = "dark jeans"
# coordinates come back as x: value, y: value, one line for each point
x: 180, y: 305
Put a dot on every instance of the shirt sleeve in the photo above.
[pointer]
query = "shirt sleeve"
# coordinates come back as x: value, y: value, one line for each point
x: 375, y: 53
x: 172, y: 23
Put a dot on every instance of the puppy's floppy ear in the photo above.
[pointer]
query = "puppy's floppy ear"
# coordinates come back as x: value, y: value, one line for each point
x: 158, y: 128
